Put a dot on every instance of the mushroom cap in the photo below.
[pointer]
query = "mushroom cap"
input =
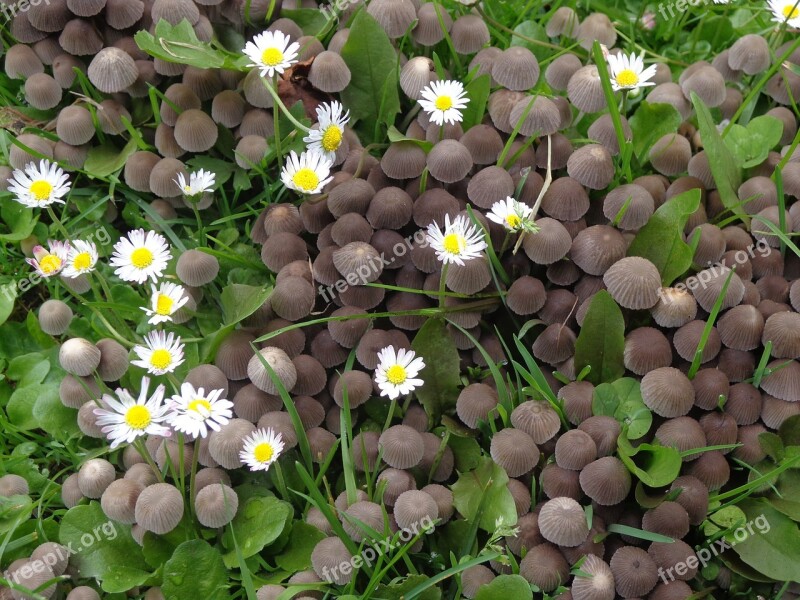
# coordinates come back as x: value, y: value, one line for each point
x: 112, y: 70
x: 402, y: 446
x: 515, y: 451
x: 562, y: 521
x: 606, y: 480
x: 634, y: 282
x: 667, y: 392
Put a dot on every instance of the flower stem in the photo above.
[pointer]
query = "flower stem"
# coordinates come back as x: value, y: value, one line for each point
x: 277, y: 105
x: 145, y: 454
x: 390, y: 416
x: 442, y: 284
x: 59, y: 225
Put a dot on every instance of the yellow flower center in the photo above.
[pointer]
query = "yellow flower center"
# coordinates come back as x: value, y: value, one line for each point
x: 141, y: 258
x: 790, y: 12
x: 627, y: 78
x: 199, y: 405
x: 513, y: 221
x: 138, y: 417
x: 164, y: 305
x: 50, y: 264
x: 454, y: 243
x: 82, y: 261
x: 263, y: 452
x: 443, y: 103
x: 161, y: 359
x: 332, y: 138
x: 396, y: 374
x: 306, y: 179
x: 272, y: 57
x: 41, y: 190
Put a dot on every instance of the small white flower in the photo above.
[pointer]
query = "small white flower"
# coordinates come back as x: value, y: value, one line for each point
x: 165, y: 301
x: 127, y: 419
x: 328, y: 137
x: 200, y: 182
x: 140, y: 255
x: 194, y: 412
x: 261, y: 449
x: 397, y: 371
x: 444, y: 101
x: 81, y: 259
x: 787, y: 11
x: 271, y: 52
x: 460, y: 240
x: 39, y: 186
x: 50, y: 262
x: 513, y: 215
x: 308, y: 173
x: 628, y: 72
x: 162, y: 353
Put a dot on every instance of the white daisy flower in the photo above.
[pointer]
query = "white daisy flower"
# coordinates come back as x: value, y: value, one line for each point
x: 200, y: 182
x: 140, y: 255
x: 513, y: 215
x: 308, y: 173
x: 165, y: 301
x: 194, y: 412
x: 52, y: 261
x: 271, y: 52
x: 444, y: 101
x: 261, y: 449
x: 328, y: 137
x: 397, y: 371
x: 460, y: 240
x: 39, y: 186
x: 127, y: 419
x: 162, y: 353
x: 81, y: 259
x: 787, y: 11
x: 628, y: 72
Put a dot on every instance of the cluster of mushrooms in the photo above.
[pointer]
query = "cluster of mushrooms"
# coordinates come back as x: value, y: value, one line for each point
x: 377, y: 204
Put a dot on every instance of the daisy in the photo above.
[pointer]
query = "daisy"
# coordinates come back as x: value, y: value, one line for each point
x: 194, y: 412
x: 140, y: 256
x: 396, y: 372
x: 271, y: 52
x: 165, y: 301
x: 39, y: 186
x: 513, y: 215
x: 444, y: 101
x: 328, y: 137
x: 199, y: 182
x: 82, y: 258
x: 786, y: 10
x: 162, y: 353
x: 628, y: 72
x: 51, y: 261
x: 127, y: 419
x: 308, y: 173
x: 261, y: 449
x: 460, y: 240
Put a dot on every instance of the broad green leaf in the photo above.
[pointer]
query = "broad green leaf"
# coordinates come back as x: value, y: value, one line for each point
x: 477, y: 91
x: 649, y: 123
x: 661, y: 240
x: 8, y: 293
x: 397, y: 136
x: 195, y: 570
x: 258, y: 523
x: 622, y: 400
x: 372, y: 94
x: 18, y: 219
x: 106, y: 159
x: 534, y: 31
x: 716, y: 30
x: 601, y: 342
x: 52, y: 416
x: 398, y: 589
x: 773, y: 548
x: 505, y: 587
x: 28, y: 369
x: 241, y: 301
x: 179, y: 44
x: 750, y: 145
x: 434, y: 345
x: 483, y: 493
x: 310, y: 20
x: 296, y: 556
x: 788, y: 486
x: 655, y: 466
x: 13, y: 510
x: 20, y: 406
x: 111, y: 545
x: 123, y: 578
x: 789, y: 431
x: 467, y: 452
x: 727, y: 174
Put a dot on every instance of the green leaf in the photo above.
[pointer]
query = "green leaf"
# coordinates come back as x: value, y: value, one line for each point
x: 195, y: 570
x: 13, y: 510
x: 240, y: 301
x: 396, y: 135
x: 655, y: 466
x: 477, y: 91
x: 504, y: 587
x: 111, y: 546
x: 788, y: 502
x: 106, y: 159
x: 434, y: 345
x: 310, y: 20
x: 20, y: 406
x: 18, y: 219
x: 124, y: 578
x: 601, y: 342
x: 467, y: 452
x: 789, y: 431
x: 649, y: 123
x: 258, y: 523
x: 661, y: 240
x: 483, y: 493
x: 727, y: 174
x: 622, y: 400
x: 750, y: 145
x: 28, y: 369
x: 399, y: 590
x: 179, y: 44
x: 52, y: 416
x: 297, y: 554
x: 372, y: 94
x: 8, y: 293
x: 774, y: 547
x: 534, y: 31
